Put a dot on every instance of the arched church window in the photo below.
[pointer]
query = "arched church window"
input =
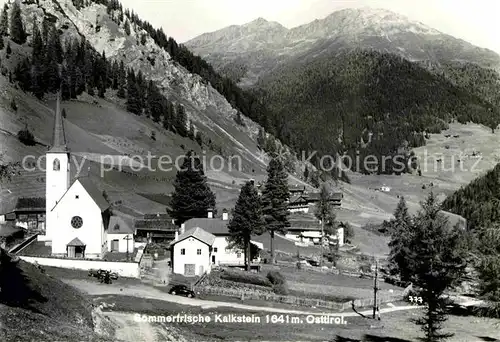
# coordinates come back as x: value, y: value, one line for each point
x: 56, y: 165
x: 76, y: 222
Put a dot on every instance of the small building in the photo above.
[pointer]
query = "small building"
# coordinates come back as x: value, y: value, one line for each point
x: 120, y: 235
x: 156, y: 228
x: 191, y: 252
x: 299, y: 203
x: 28, y: 213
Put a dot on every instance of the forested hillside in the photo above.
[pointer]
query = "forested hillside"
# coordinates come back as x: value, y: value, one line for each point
x: 479, y: 201
x: 331, y: 103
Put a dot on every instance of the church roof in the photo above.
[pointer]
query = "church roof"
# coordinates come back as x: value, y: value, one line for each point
x: 58, y: 136
x: 197, y: 233
x: 94, y: 193
x: 76, y: 242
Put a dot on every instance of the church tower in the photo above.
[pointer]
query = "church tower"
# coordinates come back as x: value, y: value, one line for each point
x: 57, y: 173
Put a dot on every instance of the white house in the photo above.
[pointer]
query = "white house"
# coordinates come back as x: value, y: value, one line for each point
x: 191, y: 252
x: 222, y: 254
x: 120, y: 236
x: 77, y: 216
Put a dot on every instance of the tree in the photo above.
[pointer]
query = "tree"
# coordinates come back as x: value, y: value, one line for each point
x: 199, y: 138
x: 192, y: 197
x: 17, y: 32
x: 4, y: 21
x: 275, y: 197
x: 126, y: 26
x: 435, y: 261
x: 246, y: 221
x: 2, y: 44
x: 400, y: 230
x: 488, y: 268
x: 180, y: 123
x: 348, y: 231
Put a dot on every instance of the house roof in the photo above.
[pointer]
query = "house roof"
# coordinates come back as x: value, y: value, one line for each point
x: 303, y: 221
x: 119, y: 225
x: 155, y: 224
x: 214, y: 226
x: 157, y: 216
x: 197, y: 233
x: 30, y: 204
x: 296, y: 188
x: 76, y: 242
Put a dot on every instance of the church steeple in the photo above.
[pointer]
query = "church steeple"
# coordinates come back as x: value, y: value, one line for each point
x: 58, y: 136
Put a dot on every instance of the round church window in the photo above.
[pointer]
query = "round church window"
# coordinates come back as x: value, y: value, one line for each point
x: 76, y: 222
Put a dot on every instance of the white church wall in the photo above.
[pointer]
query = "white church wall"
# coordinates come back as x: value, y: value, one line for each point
x: 57, y: 182
x: 77, y: 202
x: 122, y: 243
x: 124, y: 269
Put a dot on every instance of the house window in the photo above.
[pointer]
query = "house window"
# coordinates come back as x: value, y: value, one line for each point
x: 238, y: 255
x: 183, y: 251
x: 77, y: 196
x: 198, y: 251
x: 215, y: 249
x: 56, y: 165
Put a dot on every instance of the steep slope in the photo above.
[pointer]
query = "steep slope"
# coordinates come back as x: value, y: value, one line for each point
x: 98, y: 128
x: 37, y: 307
x: 377, y: 29
x: 335, y: 104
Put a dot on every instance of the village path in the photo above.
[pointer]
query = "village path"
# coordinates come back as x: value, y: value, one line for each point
x: 149, y: 292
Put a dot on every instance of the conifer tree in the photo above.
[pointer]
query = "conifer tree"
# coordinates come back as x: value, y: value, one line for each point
x: 324, y: 209
x: 180, y: 123
x: 4, y: 21
x: 126, y: 26
x: 17, y: 32
x: 192, y: 197
x: 247, y: 220
x: 488, y: 268
x: 435, y: 261
x: 199, y: 138
x: 2, y: 44
x: 275, y: 198
x: 400, y: 232
x: 38, y: 47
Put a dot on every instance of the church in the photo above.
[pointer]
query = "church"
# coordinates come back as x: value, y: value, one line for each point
x: 77, y: 214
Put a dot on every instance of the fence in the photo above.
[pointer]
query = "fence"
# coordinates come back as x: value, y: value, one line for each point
x: 300, y: 301
x: 22, y: 245
x: 124, y: 269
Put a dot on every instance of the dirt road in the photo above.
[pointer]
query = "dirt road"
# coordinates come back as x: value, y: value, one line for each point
x: 144, y: 291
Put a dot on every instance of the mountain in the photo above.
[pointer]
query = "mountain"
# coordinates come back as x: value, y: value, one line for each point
x: 367, y: 103
x: 235, y: 47
x: 95, y: 39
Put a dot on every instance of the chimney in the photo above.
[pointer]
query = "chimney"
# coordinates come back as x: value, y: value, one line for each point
x: 182, y: 229
x: 176, y: 236
x: 225, y: 215
x: 210, y: 213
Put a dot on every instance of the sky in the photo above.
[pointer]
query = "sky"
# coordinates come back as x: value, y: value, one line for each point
x: 475, y: 21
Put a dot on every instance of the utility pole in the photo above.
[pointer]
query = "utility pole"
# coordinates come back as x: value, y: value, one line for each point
x: 375, y: 289
x: 322, y: 240
x: 128, y: 238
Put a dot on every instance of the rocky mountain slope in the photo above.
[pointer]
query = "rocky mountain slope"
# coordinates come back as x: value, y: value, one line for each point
x: 121, y: 133
x: 240, y: 48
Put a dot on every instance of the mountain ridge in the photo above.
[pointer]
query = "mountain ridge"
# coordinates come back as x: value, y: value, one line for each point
x: 378, y: 29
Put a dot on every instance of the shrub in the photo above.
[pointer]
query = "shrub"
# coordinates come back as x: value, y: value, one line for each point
x: 247, y: 278
x: 26, y: 137
x: 281, y: 289
x: 276, y: 278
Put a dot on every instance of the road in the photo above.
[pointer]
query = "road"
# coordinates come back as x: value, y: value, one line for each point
x: 148, y: 292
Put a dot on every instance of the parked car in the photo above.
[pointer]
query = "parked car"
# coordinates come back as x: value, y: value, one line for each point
x: 181, y: 290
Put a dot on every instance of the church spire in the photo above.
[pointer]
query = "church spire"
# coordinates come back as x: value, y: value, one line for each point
x: 58, y: 137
